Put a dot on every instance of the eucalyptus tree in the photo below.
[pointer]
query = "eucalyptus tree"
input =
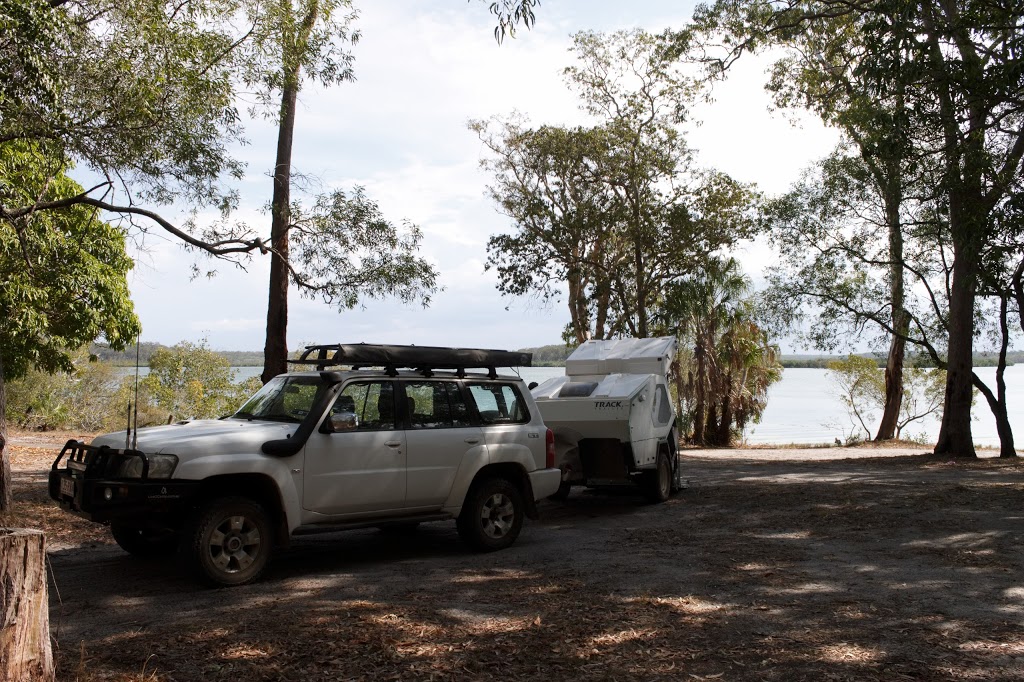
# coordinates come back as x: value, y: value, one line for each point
x: 346, y: 246
x: 956, y: 71
x: 617, y: 209
x: 548, y: 180
x: 140, y: 96
x: 63, y: 274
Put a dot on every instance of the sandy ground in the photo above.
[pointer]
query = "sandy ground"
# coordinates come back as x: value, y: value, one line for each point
x: 773, y: 564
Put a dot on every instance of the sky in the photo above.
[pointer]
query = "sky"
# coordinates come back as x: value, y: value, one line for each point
x: 423, y: 70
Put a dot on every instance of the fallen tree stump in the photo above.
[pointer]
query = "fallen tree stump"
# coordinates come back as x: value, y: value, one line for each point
x: 25, y: 654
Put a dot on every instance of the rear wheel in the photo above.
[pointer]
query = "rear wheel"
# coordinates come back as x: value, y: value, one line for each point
x: 144, y: 542
x: 659, y: 482
x: 231, y: 542
x: 492, y: 515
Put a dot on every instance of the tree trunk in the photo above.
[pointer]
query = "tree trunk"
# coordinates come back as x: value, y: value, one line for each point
x: 725, y: 420
x: 900, y: 319
x: 6, y: 490
x: 700, y: 409
x: 955, y: 437
x: 24, y: 608
x: 275, y: 351
x: 997, y: 401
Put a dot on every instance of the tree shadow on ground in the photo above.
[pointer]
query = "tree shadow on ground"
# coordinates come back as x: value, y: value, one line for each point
x: 848, y: 572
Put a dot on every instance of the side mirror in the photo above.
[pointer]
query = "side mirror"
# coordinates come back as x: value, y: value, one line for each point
x: 338, y: 422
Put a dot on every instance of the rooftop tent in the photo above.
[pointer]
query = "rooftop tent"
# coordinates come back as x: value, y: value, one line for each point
x: 621, y: 356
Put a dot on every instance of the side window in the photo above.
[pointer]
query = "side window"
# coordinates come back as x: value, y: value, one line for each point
x: 663, y: 412
x: 435, y: 405
x: 460, y: 410
x: 373, y: 403
x: 499, y: 404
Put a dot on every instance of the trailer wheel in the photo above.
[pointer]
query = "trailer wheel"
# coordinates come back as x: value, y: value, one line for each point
x: 659, y: 482
x: 673, y: 453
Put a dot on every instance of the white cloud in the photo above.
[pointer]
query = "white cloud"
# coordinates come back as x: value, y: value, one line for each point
x: 424, y: 70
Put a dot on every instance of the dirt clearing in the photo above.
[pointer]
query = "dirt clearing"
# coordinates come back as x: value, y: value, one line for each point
x: 832, y: 564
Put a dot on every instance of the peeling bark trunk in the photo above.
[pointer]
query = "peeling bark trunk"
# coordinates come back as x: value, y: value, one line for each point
x: 275, y: 351
x: 25, y: 650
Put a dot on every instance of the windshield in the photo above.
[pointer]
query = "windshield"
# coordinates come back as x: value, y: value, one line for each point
x: 283, y: 399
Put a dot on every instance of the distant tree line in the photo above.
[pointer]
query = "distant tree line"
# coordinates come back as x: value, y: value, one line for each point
x: 126, y: 357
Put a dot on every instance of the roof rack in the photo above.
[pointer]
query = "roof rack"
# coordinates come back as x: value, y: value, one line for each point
x: 424, y: 359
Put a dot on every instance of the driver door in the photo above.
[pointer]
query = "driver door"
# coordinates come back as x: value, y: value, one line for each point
x: 360, y: 471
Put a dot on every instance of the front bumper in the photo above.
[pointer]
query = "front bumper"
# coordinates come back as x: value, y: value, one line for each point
x: 84, y: 488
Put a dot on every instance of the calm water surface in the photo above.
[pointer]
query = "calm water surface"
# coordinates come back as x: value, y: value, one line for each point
x: 803, y: 407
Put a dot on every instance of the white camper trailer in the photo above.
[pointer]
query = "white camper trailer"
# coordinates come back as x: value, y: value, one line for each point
x: 612, y: 416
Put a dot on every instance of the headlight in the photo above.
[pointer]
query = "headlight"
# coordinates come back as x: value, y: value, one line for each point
x: 160, y: 466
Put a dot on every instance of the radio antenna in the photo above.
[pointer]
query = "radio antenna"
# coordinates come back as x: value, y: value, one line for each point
x: 135, y: 425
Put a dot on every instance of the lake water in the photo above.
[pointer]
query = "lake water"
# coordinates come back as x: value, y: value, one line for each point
x: 803, y: 407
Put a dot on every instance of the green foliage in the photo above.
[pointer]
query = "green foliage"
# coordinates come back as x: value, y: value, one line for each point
x: 726, y: 363
x: 344, y: 249
x: 62, y: 272
x: 189, y: 381
x: 295, y: 40
x: 80, y: 399
x: 138, y: 91
x: 608, y: 215
x: 931, y: 93
x: 860, y: 384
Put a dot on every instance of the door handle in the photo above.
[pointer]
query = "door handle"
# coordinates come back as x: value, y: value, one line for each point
x: 393, y: 443
x: 472, y: 441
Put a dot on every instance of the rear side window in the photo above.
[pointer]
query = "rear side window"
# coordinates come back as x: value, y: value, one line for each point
x: 435, y: 405
x: 499, y: 404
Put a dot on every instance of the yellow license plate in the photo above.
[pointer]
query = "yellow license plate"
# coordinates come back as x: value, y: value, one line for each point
x: 67, y: 487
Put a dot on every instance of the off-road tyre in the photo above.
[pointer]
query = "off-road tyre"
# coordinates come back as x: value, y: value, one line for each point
x: 492, y: 515
x: 658, y: 483
x: 564, y: 488
x: 230, y: 542
x: 145, y: 543
x: 673, y: 453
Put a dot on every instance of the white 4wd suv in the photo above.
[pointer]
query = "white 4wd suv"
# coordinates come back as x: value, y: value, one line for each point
x: 322, y: 451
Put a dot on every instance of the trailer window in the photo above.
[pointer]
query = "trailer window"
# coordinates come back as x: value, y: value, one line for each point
x: 435, y: 405
x: 663, y: 410
x: 499, y: 404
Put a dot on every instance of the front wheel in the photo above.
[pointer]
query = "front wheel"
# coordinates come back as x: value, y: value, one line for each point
x: 144, y: 542
x: 231, y: 542
x: 659, y: 482
x: 492, y: 515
